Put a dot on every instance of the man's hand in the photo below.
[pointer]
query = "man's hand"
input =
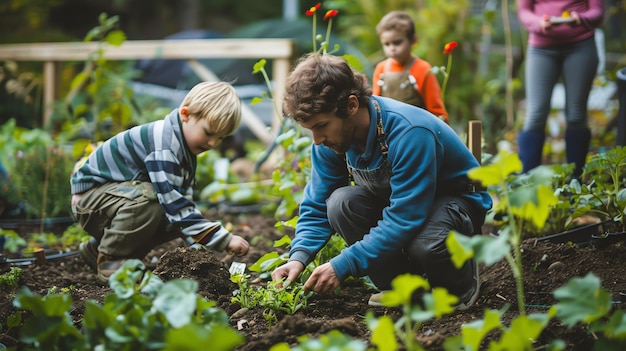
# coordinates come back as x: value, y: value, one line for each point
x: 238, y: 246
x: 323, y: 280
x: 288, y: 272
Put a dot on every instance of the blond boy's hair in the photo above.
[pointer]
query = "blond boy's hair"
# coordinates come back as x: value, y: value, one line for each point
x: 217, y: 102
x: 397, y: 20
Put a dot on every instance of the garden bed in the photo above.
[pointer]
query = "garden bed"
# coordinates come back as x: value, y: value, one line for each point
x: 547, y: 266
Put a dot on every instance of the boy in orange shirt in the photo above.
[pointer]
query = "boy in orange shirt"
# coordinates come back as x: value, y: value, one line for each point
x: 403, y: 76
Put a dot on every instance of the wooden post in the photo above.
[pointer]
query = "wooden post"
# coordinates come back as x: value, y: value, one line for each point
x: 49, y: 91
x: 474, y: 139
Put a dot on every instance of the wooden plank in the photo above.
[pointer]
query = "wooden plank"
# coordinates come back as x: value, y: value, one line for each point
x: 151, y: 49
x: 474, y: 139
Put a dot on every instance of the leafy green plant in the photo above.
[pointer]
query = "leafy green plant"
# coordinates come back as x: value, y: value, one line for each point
x: 405, y: 289
x: 246, y: 296
x: 55, y: 289
x: 100, y: 92
x: 143, y: 313
x: 72, y: 237
x: 271, y: 260
x: 292, y: 170
x: 579, y: 301
x: 605, y: 192
x: 529, y: 199
x: 274, y: 298
x: 521, y: 335
x: 583, y: 300
x: 41, y: 167
x: 11, y: 278
x: 333, y: 340
x: 13, y: 242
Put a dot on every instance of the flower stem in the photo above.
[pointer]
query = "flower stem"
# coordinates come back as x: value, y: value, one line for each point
x: 314, y: 31
x: 446, y: 76
x: 327, y: 42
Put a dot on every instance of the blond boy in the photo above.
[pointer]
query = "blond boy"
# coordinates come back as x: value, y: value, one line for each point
x: 134, y: 192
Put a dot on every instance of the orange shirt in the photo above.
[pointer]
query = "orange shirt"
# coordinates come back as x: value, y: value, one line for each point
x: 427, y: 84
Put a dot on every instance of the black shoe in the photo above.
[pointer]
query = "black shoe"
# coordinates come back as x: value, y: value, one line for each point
x: 468, y: 299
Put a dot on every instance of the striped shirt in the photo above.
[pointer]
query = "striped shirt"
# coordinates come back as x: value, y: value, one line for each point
x: 155, y: 152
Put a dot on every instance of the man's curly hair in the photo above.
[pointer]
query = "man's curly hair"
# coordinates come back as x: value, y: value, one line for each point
x: 322, y: 84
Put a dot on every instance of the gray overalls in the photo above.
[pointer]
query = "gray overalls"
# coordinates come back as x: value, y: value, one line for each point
x: 353, y: 210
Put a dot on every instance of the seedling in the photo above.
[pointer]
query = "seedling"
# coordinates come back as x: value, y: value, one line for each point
x: 433, y: 304
x: 11, y: 278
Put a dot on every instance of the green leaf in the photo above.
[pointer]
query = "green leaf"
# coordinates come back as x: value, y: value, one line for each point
x: 614, y: 328
x: 244, y: 195
x: 14, y: 319
x: 150, y: 284
x: 177, y: 301
x: 533, y: 203
x: 51, y: 305
x: 124, y: 281
x: 196, y: 338
x: 115, y: 38
x: 259, y: 66
x: 443, y: 302
x: 282, y: 346
x: 353, y: 62
x: 95, y: 321
x: 285, y: 139
x: 383, y: 333
x: 459, y: 247
x: 523, y: 332
x: 284, y: 241
x: 256, y: 100
x: 403, y: 287
x: 496, y: 173
x: 582, y: 300
x: 267, y: 262
x: 483, y: 248
x: 474, y: 332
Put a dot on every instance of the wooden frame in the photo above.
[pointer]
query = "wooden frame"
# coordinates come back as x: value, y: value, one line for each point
x: 279, y: 51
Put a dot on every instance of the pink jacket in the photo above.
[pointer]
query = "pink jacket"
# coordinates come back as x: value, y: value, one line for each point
x: 530, y: 13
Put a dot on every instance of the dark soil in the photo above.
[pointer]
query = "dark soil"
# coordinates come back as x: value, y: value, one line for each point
x: 547, y: 266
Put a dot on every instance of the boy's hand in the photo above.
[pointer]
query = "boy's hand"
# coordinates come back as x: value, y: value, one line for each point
x: 238, y: 246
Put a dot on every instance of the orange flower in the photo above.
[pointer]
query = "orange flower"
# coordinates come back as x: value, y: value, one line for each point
x: 447, y: 49
x: 330, y: 14
x: 310, y: 12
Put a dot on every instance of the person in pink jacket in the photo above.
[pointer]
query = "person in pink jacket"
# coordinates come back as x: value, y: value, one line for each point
x: 561, y: 44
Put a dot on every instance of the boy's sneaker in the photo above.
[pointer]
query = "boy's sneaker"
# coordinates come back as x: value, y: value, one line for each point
x: 469, y: 298
x: 89, y: 252
x: 107, y: 265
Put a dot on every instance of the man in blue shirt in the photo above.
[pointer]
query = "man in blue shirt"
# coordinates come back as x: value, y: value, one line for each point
x: 389, y: 177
